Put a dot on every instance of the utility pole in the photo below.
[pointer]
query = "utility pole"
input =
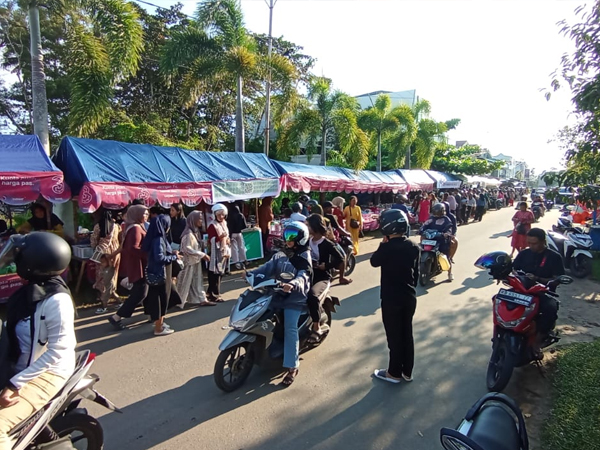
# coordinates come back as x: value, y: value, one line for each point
x: 271, y: 5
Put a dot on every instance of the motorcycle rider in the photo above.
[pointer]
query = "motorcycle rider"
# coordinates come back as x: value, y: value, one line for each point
x: 541, y: 265
x: 398, y: 258
x: 295, y: 260
x: 303, y: 200
x: 328, y: 214
x: 40, y: 327
x: 440, y: 222
x: 325, y: 256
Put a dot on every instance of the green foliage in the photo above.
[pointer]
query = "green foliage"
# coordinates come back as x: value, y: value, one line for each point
x: 464, y: 160
x: 574, y: 416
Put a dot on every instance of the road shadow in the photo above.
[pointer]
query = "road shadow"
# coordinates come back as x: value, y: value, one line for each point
x: 502, y: 234
x: 480, y: 280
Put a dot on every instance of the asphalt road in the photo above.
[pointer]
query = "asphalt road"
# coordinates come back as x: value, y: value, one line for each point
x: 169, y: 400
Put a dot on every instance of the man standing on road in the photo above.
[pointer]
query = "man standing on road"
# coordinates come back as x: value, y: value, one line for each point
x: 541, y: 265
x: 398, y: 258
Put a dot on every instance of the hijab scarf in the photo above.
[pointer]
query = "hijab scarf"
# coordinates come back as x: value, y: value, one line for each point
x: 106, y: 224
x: 190, y: 225
x: 158, y: 229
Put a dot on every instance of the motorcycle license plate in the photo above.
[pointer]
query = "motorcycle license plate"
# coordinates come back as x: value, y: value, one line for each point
x: 429, y: 242
x: 514, y: 297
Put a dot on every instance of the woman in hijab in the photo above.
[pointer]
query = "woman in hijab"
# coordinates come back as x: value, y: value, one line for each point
x: 159, y: 272
x: 39, y: 220
x: 189, y: 282
x: 236, y: 223
x: 133, y: 262
x: 105, y: 240
x: 220, y: 251
x: 338, y: 210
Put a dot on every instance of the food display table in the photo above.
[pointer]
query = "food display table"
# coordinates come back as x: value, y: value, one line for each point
x: 370, y: 220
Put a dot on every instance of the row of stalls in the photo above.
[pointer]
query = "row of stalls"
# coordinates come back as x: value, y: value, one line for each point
x: 87, y: 174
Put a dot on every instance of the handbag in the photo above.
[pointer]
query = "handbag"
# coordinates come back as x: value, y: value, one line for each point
x: 155, y: 279
x: 353, y: 222
x: 521, y: 229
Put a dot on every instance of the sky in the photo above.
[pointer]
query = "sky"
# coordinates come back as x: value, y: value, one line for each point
x: 483, y: 61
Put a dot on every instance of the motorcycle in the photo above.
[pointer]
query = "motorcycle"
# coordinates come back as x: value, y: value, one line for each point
x: 499, y: 203
x: 433, y: 262
x: 549, y: 204
x: 574, y: 245
x: 493, y: 422
x: 62, y: 424
x: 515, y: 334
x: 537, y: 209
x: 256, y: 331
x: 348, y: 247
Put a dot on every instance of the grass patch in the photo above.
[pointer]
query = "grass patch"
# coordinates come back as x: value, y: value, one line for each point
x: 574, y: 421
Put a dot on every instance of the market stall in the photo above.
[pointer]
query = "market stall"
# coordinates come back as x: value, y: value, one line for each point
x: 26, y: 173
x: 479, y: 181
x: 113, y: 174
x: 307, y: 178
x: 444, y: 180
x: 417, y: 179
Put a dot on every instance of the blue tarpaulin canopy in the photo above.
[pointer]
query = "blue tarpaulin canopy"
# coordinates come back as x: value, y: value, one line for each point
x: 115, y: 173
x: 26, y: 172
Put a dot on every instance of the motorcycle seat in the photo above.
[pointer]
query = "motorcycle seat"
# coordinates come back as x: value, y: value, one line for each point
x: 494, y: 428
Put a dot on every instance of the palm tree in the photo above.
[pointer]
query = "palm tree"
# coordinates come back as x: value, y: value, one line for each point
x: 429, y: 135
x: 330, y: 117
x: 215, y: 48
x: 395, y: 126
x: 104, y: 45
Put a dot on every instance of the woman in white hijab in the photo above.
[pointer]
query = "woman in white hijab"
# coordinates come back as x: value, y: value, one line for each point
x: 189, y: 281
x: 220, y: 251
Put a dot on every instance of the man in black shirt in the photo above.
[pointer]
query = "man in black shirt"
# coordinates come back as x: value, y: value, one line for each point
x: 398, y: 258
x: 541, y: 265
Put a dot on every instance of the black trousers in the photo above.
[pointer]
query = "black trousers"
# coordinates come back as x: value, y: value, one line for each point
x: 157, y: 302
x: 214, y: 284
x: 397, y: 319
x: 479, y: 212
x: 137, y: 295
x: 313, y: 299
x: 547, y: 315
x: 465, y: 214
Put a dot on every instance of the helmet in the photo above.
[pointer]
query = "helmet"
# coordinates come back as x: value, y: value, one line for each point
x: 438, y: 210
x: 219, y: 207
x: 303, y: 198
x: 393, y: 221
x: 38, y: 255
x: 296, y: 232
x: 311, y: 203
x: 499, y: 264
x: 402, y: 198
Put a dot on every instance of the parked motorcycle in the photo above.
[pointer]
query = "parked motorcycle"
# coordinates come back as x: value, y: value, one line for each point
x: 256, y: 331
x: 574, y: 245
x: 515, y: 335
x: 62, y: 424
x: 433, y: 262
x: 494, y: 422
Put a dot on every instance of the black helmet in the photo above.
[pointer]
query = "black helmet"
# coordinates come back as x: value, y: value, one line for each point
x: 311, y: 203
x: 393, y: 221
x: 499, y: 264
x: 401, y: 198
x: 38, y: 255
x: 438, y: 210
x: 296, y: 232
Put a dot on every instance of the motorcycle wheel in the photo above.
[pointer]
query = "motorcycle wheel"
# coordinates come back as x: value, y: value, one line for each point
x: 233, y: 367
x: 424, y: 273
x: 85, y: 431
x: 500, y: 368
x: 581, y: 266
x: 350, y: 264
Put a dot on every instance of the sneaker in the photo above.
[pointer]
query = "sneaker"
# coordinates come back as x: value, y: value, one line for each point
x: 405, y: 378
x: 164, y: 332
x: 101, y: 310
x: 450, y: 276
x: 382, y: 375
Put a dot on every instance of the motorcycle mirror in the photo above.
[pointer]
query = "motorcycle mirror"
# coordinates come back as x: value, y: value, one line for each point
x: 564, y: 279
x: 286, y: 276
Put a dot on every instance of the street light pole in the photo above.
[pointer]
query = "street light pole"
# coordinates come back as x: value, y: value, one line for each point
x: 271, y: 5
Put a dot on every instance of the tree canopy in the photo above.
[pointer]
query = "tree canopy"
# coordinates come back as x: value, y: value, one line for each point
x: 467, y: 160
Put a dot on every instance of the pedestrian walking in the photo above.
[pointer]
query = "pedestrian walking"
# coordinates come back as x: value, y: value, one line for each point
x: 480, y: 208
x: 354, y: 221
x: 190, y: 284
x: 159, y: 272
x: 398, y: 258
x: 424, y: 209
x: 105, y: 242
x: 236, y: 224
x: 522, y: 221
x: 178, y: 224
x: 220, y: 252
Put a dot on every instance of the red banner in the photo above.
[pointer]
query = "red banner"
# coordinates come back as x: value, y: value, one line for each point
x: 9, y: 285
x: 21, y: 188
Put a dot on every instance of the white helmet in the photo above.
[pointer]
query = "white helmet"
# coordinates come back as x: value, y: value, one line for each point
x: 296, y: 232
x: 219, y: 207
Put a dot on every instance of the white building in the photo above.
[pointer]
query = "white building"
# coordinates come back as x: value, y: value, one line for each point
x: 398, y: 98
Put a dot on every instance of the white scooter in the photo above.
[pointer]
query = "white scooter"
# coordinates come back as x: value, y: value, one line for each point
x: 256, y: 330
x: 61, y: 424
x: 574, y: 247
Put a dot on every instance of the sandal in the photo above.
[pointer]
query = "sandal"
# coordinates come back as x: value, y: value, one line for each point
x: 101, y: 311
x: 290, y: 377
x: 315, y: 337
x: 218, y: 300
x: 117, y: 324
x: 346, y: 281
x: 206, y: 303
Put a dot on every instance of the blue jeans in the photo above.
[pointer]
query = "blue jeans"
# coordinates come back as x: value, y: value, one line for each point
x: 291, y: 340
